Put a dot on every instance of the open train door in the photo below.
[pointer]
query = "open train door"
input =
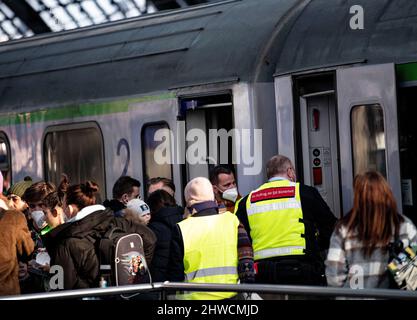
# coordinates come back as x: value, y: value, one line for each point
x: 368, y: 126
x: 205, y: 117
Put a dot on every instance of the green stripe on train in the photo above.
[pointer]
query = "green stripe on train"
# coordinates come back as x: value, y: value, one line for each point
x: 407, y: 72
x: 75, y: 111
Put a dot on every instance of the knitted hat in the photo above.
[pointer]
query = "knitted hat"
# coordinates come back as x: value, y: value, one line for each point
x: 138, y: 206
x: 20, y: 187
x: 198, y: 190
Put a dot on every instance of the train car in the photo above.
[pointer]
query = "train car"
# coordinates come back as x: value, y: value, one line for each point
x: 329, y: 84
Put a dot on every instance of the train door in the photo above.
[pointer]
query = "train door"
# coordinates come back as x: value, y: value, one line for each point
x: 319, y: 146
x: 208, y: 124
x: 407, y: 115
x: 308, y: 131
x: 368, y: 125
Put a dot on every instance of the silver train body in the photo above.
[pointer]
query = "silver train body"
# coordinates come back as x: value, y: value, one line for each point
x: 330, y: 85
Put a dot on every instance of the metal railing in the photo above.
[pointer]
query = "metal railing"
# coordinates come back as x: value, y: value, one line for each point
x: 169, y: 287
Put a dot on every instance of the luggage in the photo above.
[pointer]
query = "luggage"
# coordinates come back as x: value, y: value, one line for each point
x: 403, y: 266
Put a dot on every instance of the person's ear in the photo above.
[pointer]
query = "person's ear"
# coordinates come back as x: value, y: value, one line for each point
x: 70, y: 211
x: 125, y: 198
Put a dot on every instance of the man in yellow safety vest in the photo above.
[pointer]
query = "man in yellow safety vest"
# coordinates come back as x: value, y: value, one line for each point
x: 209, y: 247
x: 289, y: 225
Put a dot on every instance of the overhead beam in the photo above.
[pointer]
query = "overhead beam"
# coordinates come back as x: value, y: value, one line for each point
x: 28, y: 15
x: 194, y: 2
x: 175, y: 4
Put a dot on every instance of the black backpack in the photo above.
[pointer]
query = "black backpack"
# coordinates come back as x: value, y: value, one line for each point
x: 122, y: 259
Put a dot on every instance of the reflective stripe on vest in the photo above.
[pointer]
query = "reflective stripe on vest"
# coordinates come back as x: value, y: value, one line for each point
x: 275, y: 206
x: 210, y: 253
x: 262, y: 254
x: 210, y: 272
x: 275, y: 219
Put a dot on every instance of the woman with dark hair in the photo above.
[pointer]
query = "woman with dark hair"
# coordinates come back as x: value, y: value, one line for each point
x: 80, y: 201
x: 75, y: 249
x: 359, y: 247
x: 165, y: 214
x: 33, y: 196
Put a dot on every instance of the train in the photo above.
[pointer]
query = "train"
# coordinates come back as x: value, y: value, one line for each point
x: 330, y: 84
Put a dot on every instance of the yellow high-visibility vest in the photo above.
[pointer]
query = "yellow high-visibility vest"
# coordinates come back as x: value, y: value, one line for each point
x: 210, y: 253
x: 237, y: 205
x: 275, y: 219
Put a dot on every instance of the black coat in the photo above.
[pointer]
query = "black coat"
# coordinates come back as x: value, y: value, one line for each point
x: 161, y: 224
x: 116, y: 206
x: 69, y: 246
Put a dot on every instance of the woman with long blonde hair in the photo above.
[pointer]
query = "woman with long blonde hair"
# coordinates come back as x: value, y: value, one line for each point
x: 358, y: 253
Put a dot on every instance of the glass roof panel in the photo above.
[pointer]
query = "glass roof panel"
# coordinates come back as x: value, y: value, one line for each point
x: 58, y: 15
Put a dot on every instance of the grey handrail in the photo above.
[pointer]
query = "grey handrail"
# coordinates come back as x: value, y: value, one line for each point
x: 330, y: 292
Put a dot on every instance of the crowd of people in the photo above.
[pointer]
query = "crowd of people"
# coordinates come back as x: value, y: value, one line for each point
x: 281, y: 233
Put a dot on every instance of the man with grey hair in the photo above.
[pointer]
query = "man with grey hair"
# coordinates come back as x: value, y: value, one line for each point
x: 290, y: 226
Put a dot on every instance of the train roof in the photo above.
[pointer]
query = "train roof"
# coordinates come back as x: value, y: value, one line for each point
x: 322, y: 36
x: 246, y: 40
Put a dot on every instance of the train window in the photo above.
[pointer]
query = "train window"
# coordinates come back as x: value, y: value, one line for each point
x: 368, y: 139
x: 5, y: 161
x: 76, y: 150
x: 154, y: 167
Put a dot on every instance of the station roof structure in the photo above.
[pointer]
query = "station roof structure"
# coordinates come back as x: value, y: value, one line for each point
x: 25, y: 18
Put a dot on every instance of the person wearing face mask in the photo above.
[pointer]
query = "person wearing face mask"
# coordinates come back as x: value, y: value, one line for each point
x: 290, y: 226
x: 55, y: 218
x: 224, y: 188
x: 33, y: 196
x: 125, y: 189
x: 38, y: 268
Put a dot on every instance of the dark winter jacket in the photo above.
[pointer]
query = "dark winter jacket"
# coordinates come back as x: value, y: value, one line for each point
x: 161, y: 224
x: 71, y: 246
x: 116, y: 206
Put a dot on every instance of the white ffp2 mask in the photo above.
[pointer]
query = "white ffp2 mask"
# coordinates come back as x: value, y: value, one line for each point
x: 230, y: 194
x: 39, y: 219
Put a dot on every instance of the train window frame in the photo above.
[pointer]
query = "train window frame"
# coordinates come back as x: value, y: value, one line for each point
x: 6, y: 140
x: 76, y: 126
x: 356, y: 171
x: 143, y: 147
